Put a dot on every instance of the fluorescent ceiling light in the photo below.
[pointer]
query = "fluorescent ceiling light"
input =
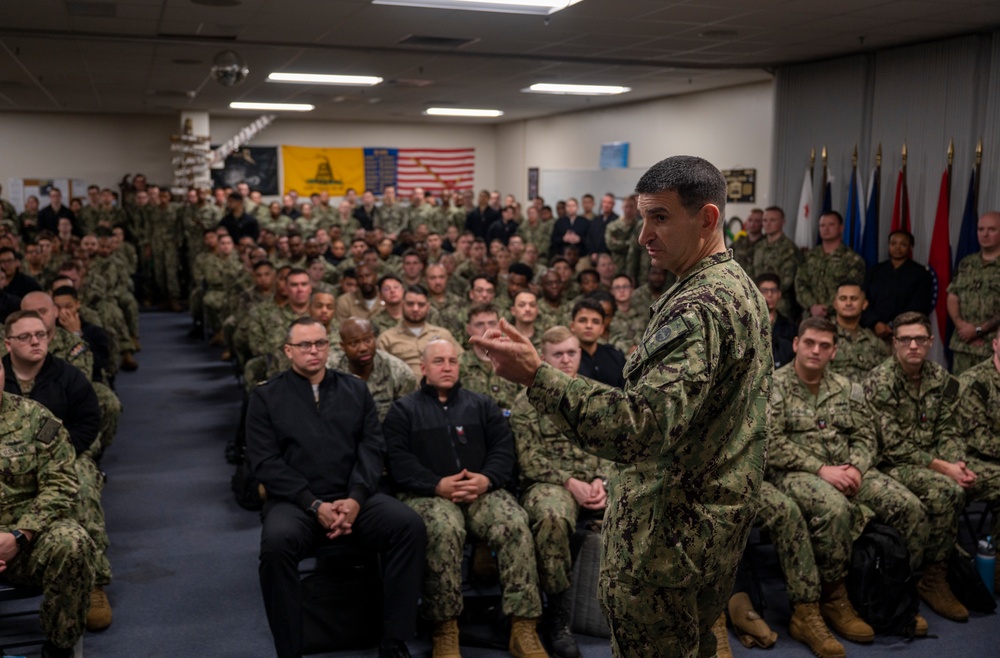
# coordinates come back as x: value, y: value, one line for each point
x: 537, y: 7
x: 289, y: 107
x: 583, y: 90
x: 321, y: 79
x: 460, y: 112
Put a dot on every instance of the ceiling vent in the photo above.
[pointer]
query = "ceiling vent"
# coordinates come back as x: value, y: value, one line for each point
x: 92, y: 9
x: 441, y: 43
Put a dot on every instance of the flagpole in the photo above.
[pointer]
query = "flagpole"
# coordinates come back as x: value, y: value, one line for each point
x: 951, y: 159
x: 979, y: 161
x: 854, y: 240
x: 905, y: 203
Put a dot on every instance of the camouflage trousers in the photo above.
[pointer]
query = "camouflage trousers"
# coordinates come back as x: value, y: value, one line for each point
x: 129, y: 306
x: 986, y: 488
x: 496, y: 518
x: 215, y: 304
x: 783, y: 520
x: 664, y: 622
x: 111, y: 413
x: 552, y: 513
x: 835, y: 521
x: 90, y: 515
x: 942, y: 500
x: 60, y: 560
x: 962, y: 361
x: 166, y: 264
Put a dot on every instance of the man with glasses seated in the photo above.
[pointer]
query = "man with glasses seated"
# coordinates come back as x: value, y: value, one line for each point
x: 916, y: 407
x: 315, y: 443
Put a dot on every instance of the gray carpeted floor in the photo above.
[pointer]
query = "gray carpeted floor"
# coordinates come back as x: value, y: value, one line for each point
x: 185, y: 555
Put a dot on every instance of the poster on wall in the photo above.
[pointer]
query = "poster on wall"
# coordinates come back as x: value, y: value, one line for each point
x: 741, y: 185
x: 380, y: 169
x: 19, y: 189
x: 614, y: 155
x: 532, y: 182
x: 257, y: 166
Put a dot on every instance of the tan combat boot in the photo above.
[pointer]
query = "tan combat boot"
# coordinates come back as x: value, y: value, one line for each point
x: 524, y: 640
x: 749, y: 626
x: 445, y: 639
x: 808, y: 628
x: 841, y: 615
x: 722, y: 648
x: 934, y: 590
x: 99, y: 614
x: 920, y: 630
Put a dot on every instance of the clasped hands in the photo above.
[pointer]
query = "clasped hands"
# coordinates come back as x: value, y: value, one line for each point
x: 337, y: 517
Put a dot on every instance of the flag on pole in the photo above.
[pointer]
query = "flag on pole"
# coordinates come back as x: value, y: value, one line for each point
x: 827, y: 194
x: 901, y: 206
x: 854, y: 222
x: 939, y: 262
x: 804, y: 228
x: 968, y: 242
x: 869, y: 238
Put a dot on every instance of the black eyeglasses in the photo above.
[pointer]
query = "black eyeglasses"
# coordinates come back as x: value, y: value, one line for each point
x: 919, y: 340
x: 308, y: 345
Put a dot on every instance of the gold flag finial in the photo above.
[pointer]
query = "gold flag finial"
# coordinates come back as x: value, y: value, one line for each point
x: 812, y: 156
x: 951, y: 152
x: 878, y: 155
x: 854, y: 157
x: 904, y: 154
x: 979, y: 152
x: 823, y: 155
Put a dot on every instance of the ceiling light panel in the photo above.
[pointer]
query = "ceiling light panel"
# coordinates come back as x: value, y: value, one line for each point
x: 462, y: 112
x: 579, y: 90
x: 323, y: 79
x: 280, y: 107
x: 535, y: 7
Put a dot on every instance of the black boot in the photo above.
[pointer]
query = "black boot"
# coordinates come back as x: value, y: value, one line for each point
x: 393, y: 649
x: 50, y: 650
x: 557, y: 626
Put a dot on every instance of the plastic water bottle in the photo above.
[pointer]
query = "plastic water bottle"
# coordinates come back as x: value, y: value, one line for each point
x: 986, y: 562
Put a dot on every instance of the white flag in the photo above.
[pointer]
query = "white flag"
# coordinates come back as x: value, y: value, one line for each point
x: 805, y: 231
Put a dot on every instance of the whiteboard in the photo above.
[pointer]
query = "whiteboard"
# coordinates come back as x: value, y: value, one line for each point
x: 560, y: 184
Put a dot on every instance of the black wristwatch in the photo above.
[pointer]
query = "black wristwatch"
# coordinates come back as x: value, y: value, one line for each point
x: 21, y: 539
x: 314, y: 507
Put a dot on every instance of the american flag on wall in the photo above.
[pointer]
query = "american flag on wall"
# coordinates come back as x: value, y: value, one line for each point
x: 435, y: 169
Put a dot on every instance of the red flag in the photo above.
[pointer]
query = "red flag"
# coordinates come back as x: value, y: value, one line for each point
x: 901, y: 206
x: 939, y: 259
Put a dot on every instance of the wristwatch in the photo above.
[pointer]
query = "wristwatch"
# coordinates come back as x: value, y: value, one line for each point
x: 314, y: 507
x: 21, y: 539
x: 979, y: 332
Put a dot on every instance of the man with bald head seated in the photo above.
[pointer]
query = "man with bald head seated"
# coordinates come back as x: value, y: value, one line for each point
x: 387, y: 377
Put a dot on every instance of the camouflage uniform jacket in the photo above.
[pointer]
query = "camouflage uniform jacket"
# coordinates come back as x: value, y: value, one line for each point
x: 783, y: 258
x: 390, y: 380
x: 627, y: 327
x: 857, y: 354
x: 619, y: 237
x: 833, y: 427
x: 688, y: 433
x: 916, y: 424
x: 74, y: 350
x: 743, y: 251
x: 267, y: 325
x: 39, y: 483
x: 391, y: 218
x: 980, y: 407
x: 817, y: 278
x: 544, y: 453
x: 479, y: 377
x: 977, y: 284
x: 539, y: 235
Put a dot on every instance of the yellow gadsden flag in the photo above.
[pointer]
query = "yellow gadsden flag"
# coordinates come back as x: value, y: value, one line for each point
x: 309, y: 170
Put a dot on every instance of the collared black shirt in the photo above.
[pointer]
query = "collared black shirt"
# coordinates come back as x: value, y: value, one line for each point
x: 605, y: 366
x: 783, y: 333
x: 240, y: 227
x: 892, y: 291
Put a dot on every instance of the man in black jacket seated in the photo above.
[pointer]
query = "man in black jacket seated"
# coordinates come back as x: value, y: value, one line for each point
x: 314, y: 442
x: 450, y: 454
x: 64, y: 389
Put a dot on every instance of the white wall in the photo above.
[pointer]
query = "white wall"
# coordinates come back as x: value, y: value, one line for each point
x: 101, y: 148
x: 730, y: 127
x: 97, y: 148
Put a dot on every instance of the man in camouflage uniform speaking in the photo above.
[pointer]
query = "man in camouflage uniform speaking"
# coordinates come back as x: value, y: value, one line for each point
x: 39, y: 544
x: 687, y: 434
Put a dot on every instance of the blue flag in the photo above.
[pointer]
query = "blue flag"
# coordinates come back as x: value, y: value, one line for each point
x: 869, y: 240
x: 854, y: 220
x: 968, y: 242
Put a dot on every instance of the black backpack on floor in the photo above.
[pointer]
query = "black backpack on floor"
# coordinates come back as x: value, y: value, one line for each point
x: 881, y: 584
